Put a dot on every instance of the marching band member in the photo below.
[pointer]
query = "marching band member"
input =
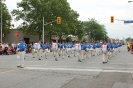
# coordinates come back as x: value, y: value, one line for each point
x: 21, y: 51
x: 84, y: 53
x: 104, y: 50
x: 112, y: 50
x: 78, y: 51
x: 55, y: 50
x: 109, y: 50
x: 63, y: 47
x: 46, y: 50
x: 94, y: 49
x: 33, y: 50
x: 68, y: 49
x: 98, y: 49
x: 88, y: 50
x: 115, y: 49
x: 91, y: 49
x: 38, y: 47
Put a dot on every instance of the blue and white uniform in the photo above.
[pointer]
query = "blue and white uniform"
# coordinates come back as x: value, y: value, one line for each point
x: 63, y: 49
x: 21, y: 51
x: 46, y: 50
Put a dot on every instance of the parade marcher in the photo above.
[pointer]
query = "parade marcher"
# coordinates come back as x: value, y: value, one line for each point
x: 88, y: 47
x: 84, y: 53
x: 91, y: 49
x: 94, y: 49
x: 21, y: 52
x: 104, y: 50
x: 55, y: 50
x: 112, y: 50
x: 115, y: 49
x: 78, y: 51
x: 33, y: 50
x: 46, y: 49
x: 38, y: 48
x: 68, y: 49
x: 63, y: 48
x: 109, y: 50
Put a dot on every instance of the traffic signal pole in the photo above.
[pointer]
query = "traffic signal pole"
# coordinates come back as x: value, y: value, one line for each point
x: 47, y: 24
x: 43, y: 32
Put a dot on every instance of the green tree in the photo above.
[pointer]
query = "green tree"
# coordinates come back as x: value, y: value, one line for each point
x: 128, y: 39
x: 33, y: 11
x: 94, y: 30
x: 6, y: 18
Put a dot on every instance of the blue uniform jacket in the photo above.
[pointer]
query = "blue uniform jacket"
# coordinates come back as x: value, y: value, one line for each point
x: 21, y: 47
x: 32, y: 47
x: 94, y: 46
x: 47, y: 47
x: 41, y: 45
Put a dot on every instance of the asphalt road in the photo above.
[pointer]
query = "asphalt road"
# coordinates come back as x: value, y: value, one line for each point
x: 67, y: 72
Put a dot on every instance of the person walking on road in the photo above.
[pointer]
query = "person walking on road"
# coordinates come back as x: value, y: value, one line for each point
x: 105, y: 53
x: 21, y: 52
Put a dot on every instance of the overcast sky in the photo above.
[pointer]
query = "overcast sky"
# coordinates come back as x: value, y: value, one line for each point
x: 101, y: 10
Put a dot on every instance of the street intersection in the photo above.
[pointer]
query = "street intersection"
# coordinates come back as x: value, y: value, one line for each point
x: 68, y: 72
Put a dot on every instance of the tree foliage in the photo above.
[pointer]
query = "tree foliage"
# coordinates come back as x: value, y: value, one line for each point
x: 6, y: 18
x: 128, y: 39
x: 94, y: 30
x: 33, y: 11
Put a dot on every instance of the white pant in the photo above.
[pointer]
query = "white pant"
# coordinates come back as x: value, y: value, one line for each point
x: 21, y: 59
x: 55, y: 53
x: 39, y: 53
x: 105, y: 57
x: 62, y: 53
x: 46, y: 52
x: 68, y: 51
x: 79, y: 54
x: 33, y: 52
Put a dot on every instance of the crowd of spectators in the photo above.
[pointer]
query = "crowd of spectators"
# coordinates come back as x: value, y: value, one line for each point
x: 9, y: 49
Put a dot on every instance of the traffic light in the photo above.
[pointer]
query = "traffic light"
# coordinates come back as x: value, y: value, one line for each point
x: 112, y: 19
x: 58, y: 20
x: 3, y: 35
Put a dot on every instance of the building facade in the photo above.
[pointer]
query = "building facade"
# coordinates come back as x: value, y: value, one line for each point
x: 10, y: 38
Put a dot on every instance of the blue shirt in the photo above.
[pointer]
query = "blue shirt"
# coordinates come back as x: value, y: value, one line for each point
x: 94, y: 46
x: 41, y: 45
x: 83, y: 47
x: 32, y: 47
x: 47, y: 46
x: 21, y: 47
x: 63, y: 45
x: 59, y: 46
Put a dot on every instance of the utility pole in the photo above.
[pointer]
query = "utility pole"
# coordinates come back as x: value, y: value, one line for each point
x: 43, y: 32
x: 1, y: 21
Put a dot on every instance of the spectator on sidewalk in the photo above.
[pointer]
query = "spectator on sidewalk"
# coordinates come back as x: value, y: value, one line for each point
x: 1, y: 50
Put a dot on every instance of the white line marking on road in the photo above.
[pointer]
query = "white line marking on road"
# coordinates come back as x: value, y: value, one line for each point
x: 105, y: 68
x: 62, y: 69
x: 75, y: 69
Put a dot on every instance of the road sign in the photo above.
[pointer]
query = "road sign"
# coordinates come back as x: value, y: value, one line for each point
x: 128, y: 21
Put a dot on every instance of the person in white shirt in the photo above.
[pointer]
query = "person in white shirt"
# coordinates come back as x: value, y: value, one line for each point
x: 105, y: 52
